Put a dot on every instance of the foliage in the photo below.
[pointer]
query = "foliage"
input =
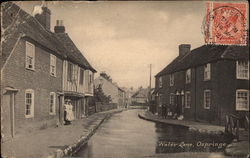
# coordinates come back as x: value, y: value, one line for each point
x: 106, y: 76
x: 99, y: 95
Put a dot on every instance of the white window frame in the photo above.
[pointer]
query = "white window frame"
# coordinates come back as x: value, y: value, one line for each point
x: 186, y: 100
x: 238, y: 75
x: 31, y: 55
x: 160, y: 82
x: 207, y: 72
x: 237, y: 100
x: 160, y: 100
x: 171, y: 98
x: 188, y: 72
x: 52, y: 64
x: 30, y: 91
x: 171, y: 79
x: 204, y: 99
x: 54, y: 103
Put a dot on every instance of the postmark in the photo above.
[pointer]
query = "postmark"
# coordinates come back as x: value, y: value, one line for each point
x: 225, y: 23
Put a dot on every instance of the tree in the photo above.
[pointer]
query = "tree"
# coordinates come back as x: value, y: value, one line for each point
x: 99, y: 95
x: 106, y: 76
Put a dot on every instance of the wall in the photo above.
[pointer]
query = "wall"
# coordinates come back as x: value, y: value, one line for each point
x: 75, y: 86
x: 16, y: 75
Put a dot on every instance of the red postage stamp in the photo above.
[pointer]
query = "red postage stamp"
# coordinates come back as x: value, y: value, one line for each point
x: 225, y: 23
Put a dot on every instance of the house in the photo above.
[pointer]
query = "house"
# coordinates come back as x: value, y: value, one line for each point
x: 34, y: 72
x: 78, y: 75
x: 117, y: 95
x: 206, y: 83
x: 140, y: 97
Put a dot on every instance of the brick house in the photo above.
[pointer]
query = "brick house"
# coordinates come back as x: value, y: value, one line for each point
x: 205, y: 84
x: 32, y: 70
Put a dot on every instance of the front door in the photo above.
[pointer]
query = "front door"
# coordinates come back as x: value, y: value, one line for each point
x: 8, y: 115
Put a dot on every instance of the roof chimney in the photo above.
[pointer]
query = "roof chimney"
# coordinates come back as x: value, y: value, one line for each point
x: 59, y: 28
x: 184, y: 49
x: 44, y: 17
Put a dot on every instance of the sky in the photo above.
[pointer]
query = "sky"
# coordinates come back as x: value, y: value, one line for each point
x: 123, y: 38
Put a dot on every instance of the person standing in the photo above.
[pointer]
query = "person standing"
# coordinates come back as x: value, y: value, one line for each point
x: 66, y: 112
x: 71, y: 114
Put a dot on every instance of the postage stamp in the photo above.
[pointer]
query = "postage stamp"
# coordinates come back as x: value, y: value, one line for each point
x: 225, y: 23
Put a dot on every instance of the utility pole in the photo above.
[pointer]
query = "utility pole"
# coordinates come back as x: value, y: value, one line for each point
x: 150, y: 67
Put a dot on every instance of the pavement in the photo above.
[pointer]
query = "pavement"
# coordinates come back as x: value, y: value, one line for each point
x: 238, y: 148
x: 54, y: 142
x: 192, y: 125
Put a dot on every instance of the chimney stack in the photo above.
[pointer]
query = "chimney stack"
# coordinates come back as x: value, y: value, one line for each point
x: 59, y: 28
x: 44, y: 18
x: 184, y: 49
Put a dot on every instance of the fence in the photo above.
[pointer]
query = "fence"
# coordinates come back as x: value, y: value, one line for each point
x: 232, y: 125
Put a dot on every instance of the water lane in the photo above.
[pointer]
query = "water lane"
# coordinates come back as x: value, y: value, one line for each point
x: 124, y: 135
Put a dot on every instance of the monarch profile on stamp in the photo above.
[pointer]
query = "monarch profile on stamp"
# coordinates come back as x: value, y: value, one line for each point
x: 225, y: 23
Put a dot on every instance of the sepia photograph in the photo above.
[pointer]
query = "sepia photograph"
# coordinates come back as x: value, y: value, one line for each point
x: 125, y: 79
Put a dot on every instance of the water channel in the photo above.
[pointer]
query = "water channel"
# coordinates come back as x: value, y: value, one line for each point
x: 125, y: 135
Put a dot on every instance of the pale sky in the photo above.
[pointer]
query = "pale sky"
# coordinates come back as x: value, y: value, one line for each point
x: 123, y: 38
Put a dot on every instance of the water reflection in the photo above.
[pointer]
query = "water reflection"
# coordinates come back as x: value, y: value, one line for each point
x: 124, y: 135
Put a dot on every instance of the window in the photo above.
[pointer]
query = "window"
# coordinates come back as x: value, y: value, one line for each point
x: 171, y: 99
x: 188, y: 76
x: 70, y: 71
x: 52, y: 65
x: 242, y: 100
x: 207, y: 72
x: 29, y: 103
x: 207, y: 99
x: 30, y: 56
x: 171, y: 80
x: 160, y: 82
x: 52, y: 103
x: 187, y: 99
x: 242, y: 70
x: 160, y: 100
x: 81, y: 76
x: 90, y: 78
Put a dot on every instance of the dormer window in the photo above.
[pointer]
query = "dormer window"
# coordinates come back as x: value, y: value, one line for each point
x: 160, y: 82
x: 30, y: 56
x: 171, y: 80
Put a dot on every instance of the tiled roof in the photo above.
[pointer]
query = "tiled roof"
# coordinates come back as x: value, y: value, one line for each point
x: 73, y: 52
x: 205, y: 54
x: 19, y: 24
x: 141, y: 93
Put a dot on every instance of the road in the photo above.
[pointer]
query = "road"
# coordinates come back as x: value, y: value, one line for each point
x: 125, y: 135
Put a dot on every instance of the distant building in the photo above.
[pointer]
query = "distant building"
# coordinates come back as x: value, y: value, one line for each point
x: 140, y: 97
x: 117, y: 95
x: 206, y: 83
x: 39, y: 69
